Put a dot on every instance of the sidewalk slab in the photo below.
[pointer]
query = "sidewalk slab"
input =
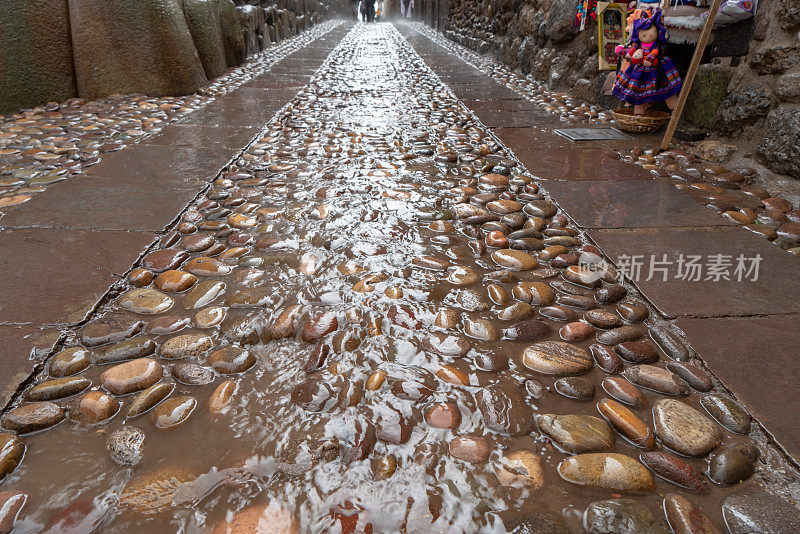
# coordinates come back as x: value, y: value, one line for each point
x: 198, y: 135
x: 738, y: 350
x: 175, y: 165
x: 577, y: 164
x: 630, y: 204
x: 217, y: 114
x: 56, y: 276
x: 511, y: 118
x: 103, y: 203
x: 23, y: 346
x: 774, y: 292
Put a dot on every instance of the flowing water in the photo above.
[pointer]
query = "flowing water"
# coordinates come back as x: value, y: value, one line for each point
x: 356, y: 229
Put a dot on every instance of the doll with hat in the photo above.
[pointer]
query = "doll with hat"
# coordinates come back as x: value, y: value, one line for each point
x: 646, y: 75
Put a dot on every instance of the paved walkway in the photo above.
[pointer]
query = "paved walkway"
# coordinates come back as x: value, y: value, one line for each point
x: 65, y: 249
x: 378, y: 148
x: 741, y: 330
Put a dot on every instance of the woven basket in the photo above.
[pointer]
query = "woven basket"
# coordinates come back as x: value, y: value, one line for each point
x: 649, y: 122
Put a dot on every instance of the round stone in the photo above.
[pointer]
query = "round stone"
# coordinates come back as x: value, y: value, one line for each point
x: 655, y: 378
x: 128, y: 349
x: 192, y: 374
x: 577, y: 433
x: 504, y: 409
x: 231, y: 360
x: 692, y: 375
x: 556, y: 358
x: 674, y: 470
x: 173, y: 281
x: 203, y: 294
x: 132, y: 376
x: 173, y: 412
x: 609, y: 471
x: 443, y: 415
x: 683, y: 429
x: 209, y: 317
x: 447, y: 345
x: 521, y: 468
x: 222, y: 396
x: 481, y: 329
x: 733, y: 463
x: 205, y: 266
x: 627, y: 423
x: 637, y: 352
x: 266, y: 518
x: 623, y: 391
x: 164, y: 259
x: 606, y: 359
x: 148, y: 398
x: 94, y: 407
x: 185, y: 346
x: 472, y: 449
x: 33, y: 417
x: 58, y: 388
x: 313, y: 395
x: 685, y: 517
x: 69, y: 362
x: 576, y: 331
x: 515, y: 260
x: 140, y: 277
x: 11, y: 452
x: 534, y: 293
x: 145, y: 301
x: 126, y: 445
x: 727, y: 412
x: 575, y: 387
x: 623, y: 516
x: 462, y: 277
x: 516, y: 312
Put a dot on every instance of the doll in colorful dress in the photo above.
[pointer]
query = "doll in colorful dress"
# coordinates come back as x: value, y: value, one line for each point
x: 645, y: 75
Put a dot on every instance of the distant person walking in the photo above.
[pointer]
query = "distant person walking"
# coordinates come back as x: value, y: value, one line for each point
x: 368, y: 10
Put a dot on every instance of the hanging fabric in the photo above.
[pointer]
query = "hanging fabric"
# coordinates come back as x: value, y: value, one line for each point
x: 587, y: 10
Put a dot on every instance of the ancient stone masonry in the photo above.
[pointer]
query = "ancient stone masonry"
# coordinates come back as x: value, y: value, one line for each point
x: 748, y: 90
x: 52, y: 50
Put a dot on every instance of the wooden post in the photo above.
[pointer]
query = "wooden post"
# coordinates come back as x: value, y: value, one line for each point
x: 687, y: 83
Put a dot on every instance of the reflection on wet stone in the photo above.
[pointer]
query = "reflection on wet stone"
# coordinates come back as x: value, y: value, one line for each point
x: 375, y: 320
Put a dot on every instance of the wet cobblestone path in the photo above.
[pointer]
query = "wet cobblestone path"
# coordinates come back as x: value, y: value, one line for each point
x: 375, y: 320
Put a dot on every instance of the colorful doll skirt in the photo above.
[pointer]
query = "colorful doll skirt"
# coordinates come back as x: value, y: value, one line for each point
x: 639, y: 84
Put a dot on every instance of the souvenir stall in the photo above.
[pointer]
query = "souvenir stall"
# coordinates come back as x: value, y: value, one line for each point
x: 683, y: 19
x: 639, y: 41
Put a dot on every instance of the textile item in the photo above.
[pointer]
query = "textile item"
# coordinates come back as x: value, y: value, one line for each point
x: 587, y: 10
x: 731, y: 11
x: 641, y: 85
x: 646, y: 21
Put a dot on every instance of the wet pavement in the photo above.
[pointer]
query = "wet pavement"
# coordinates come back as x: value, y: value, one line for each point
x: 51, y: 143
x: 371, y: 318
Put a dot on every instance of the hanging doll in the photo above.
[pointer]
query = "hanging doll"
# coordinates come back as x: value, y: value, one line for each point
x: 645, y: 75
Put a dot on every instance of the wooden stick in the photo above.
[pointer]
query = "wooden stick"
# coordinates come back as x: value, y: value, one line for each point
x: 687, y: 83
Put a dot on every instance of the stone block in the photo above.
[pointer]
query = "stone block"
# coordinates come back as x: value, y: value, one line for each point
x: 35, y: 54
x: 202, y: 17
x: 708, y: 91
x: 130, y: 46
x: 780, y: 149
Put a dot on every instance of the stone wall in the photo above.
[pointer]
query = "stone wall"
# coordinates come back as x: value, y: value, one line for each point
x: 747, y: 92
x: 52, y: 50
